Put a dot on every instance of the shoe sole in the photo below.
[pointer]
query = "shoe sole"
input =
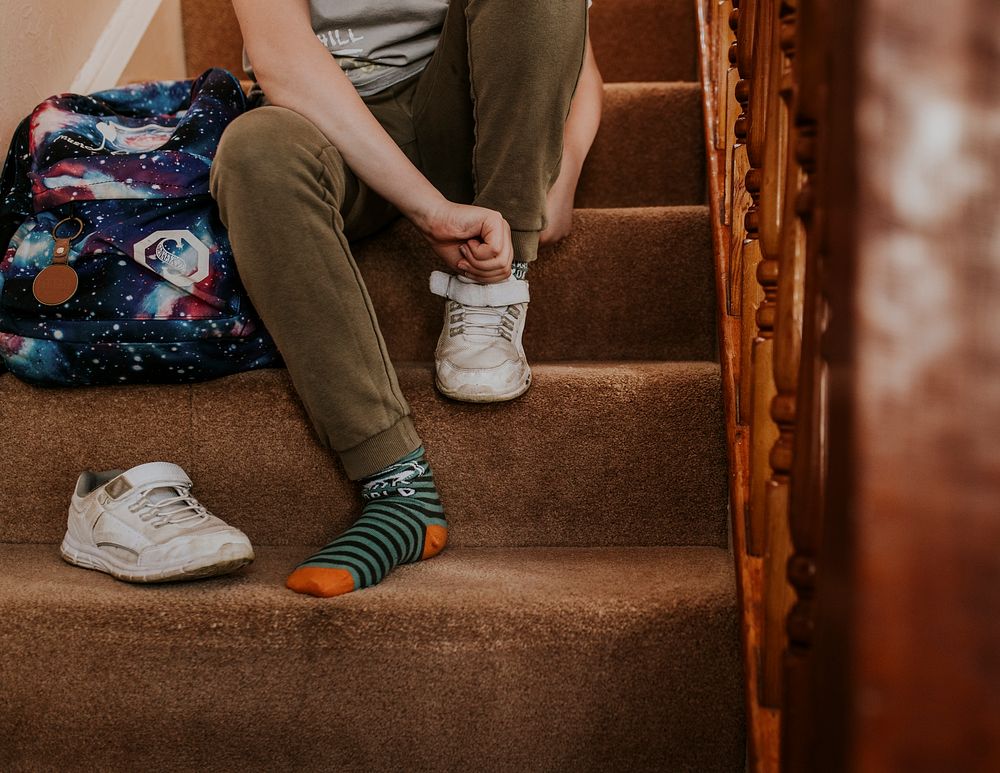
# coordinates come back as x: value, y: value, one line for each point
x: 230, y: 557
x: 484, y: 398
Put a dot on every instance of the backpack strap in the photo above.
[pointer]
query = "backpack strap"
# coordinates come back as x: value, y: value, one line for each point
x: 15, y: 185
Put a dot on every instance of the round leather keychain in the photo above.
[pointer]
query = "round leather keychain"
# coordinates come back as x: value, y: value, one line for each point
x: 57, y: 283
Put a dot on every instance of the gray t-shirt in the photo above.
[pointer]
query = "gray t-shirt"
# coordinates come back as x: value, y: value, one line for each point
x: 377, y: 42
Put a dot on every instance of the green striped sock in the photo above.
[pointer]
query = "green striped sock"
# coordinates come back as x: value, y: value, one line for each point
x: 402, y: 521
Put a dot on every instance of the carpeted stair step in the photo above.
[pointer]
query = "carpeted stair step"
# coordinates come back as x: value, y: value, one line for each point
x: 645, y: 40
x: 634, y: 160
x: 583, y: 659
x: 584, y: 615
x: 634, y: 40
x: 627, y: 284
x: 595, y: 454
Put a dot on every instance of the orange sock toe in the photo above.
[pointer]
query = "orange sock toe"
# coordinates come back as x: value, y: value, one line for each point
x: 320, y: 581
x: 435, y: 538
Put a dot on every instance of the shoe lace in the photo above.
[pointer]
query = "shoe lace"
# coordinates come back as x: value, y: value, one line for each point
x: 395, y: 477
x: 492, y: 321
x: 152, y: 507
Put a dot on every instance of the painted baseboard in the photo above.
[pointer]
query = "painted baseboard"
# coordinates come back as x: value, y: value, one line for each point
x: 115, y: 46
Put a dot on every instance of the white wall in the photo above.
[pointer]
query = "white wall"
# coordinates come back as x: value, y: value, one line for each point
x: 160, y: 53
x: 51, y: 46
x: 45, y: 44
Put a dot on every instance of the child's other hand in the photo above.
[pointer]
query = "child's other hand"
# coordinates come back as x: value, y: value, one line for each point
x: 558, y: 213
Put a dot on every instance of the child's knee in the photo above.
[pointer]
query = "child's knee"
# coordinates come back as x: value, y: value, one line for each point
x: 273, y: 148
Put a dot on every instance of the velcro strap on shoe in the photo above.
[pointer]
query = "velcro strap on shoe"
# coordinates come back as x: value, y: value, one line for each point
x: 474, y: 294
x: 146, y: 476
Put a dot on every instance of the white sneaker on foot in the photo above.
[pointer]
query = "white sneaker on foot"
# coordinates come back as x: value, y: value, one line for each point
x: 143, y: 525
x: 479, y: 357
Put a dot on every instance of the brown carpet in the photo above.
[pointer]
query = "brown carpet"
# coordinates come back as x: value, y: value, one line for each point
x: 629, y: 166
x: 626, y: 284
x: 645, y: 40
x: 555, y: 659
x: 583, y: 616
x: 628, y: 454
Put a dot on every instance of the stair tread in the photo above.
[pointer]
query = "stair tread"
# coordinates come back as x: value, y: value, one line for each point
x: 648, y: 149
x: 627, y: 283
x: 508, y: 582
x: 642, y: 440
x: 549, y: 659
x: 583, y: 616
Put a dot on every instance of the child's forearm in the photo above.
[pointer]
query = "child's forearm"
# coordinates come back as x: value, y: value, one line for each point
x: 578, y: 135
x: 584, y: 118
x: 296, y: 71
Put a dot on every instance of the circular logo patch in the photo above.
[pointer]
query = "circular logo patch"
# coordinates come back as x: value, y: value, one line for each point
x: 179, y: 256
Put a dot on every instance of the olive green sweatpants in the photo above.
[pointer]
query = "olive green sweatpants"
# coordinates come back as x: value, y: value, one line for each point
x: 483, y: 122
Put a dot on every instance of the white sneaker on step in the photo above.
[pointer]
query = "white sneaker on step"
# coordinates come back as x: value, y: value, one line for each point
x: 479, y: 356
x: 143, y: 525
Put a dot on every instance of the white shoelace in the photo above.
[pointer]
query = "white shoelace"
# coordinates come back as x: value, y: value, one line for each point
x: 492, y: 321
x: 168, y: 510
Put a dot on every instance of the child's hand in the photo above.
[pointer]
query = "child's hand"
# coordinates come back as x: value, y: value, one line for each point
x: 473, y: 241
x: 558, y: 213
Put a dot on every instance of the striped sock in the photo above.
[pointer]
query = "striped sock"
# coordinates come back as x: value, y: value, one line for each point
x: 402, y: 521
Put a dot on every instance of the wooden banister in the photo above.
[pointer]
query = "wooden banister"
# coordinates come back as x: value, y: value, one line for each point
x: 727, y: 32
x: 762, y: 157
x: 852, y: 150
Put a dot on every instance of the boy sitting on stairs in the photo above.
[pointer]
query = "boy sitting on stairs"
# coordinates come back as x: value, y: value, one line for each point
x: 457, y: 116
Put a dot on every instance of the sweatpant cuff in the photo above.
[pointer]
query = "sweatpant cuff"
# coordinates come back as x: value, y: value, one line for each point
x: 378, y: 452
x: 525, y: 245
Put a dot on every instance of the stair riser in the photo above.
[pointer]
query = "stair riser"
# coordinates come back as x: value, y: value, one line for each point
x: 635, y: 159
x: 347, y: 703
x: 626, y: 284
x: 209, y: 676
x: 591, y: 456
x: 644, y: 40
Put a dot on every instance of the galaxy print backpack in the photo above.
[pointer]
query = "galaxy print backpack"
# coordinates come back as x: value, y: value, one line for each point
x: 117, y: 268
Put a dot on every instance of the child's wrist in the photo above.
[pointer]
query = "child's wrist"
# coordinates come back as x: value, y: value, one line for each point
x: 424, y: 211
